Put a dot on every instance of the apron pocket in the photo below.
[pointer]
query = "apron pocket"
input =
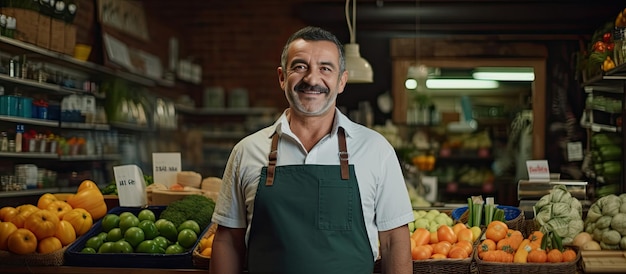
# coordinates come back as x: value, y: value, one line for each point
x: 336, y: 203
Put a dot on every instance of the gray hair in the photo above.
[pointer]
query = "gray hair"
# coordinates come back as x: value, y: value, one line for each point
x: 314, y: 34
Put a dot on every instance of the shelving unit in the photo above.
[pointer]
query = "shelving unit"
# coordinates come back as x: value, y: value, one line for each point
x: 602, y: 119
x: 220, y: 129
x: 98, y: 164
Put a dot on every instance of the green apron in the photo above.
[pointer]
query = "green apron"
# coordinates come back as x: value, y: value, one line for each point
x: 308, y: 219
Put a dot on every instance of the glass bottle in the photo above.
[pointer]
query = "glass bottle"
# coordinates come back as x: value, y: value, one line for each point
x: 4, y: 142
x: 18, y: 138
x: 618, y: 38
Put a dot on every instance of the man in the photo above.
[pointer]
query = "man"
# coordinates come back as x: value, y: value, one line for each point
x: 314, y: 192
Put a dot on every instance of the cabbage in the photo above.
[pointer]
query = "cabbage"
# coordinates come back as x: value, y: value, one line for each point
x: 560, y: 213
x: 604, y: 222
x: 611, y: 237
x: 618, y: 222
x: 607, y: 223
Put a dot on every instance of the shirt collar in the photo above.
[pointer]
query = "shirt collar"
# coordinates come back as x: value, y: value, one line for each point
x: 281, y: 126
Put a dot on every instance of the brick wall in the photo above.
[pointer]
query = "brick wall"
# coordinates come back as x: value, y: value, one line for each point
x: 238, y: 43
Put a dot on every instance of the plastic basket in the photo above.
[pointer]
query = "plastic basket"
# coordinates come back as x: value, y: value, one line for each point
x: 74, y: 257
x: 513, y: 216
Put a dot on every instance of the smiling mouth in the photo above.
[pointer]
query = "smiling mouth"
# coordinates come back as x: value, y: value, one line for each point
x: 311, y: 91
x: 307, y: 89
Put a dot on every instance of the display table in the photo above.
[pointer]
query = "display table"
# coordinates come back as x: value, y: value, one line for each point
x: 95, y: 270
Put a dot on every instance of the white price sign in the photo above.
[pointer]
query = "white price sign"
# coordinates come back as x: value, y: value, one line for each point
x: 165, y: 167
x: 538, y: 170
x: 131, y: 188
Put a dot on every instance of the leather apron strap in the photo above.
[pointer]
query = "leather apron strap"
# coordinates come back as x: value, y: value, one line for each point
x: 271, y: 166
x: 343, y: 157
x: 343, y: 154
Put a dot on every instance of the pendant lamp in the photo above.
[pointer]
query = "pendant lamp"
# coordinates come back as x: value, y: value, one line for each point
x: 359, y: 70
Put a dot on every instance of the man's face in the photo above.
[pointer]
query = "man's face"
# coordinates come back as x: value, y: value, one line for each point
x: 312, y: 79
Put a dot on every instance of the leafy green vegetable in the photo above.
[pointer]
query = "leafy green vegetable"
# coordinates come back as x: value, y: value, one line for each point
x: 193, y: 207
x: 560, y: 213
x: 618, y: 222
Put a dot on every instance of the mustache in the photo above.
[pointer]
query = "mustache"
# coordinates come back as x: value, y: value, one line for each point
x: 306, y: 87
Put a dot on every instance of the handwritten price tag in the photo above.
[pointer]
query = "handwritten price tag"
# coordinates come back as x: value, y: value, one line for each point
x: 538, y: 170
x: 165, y: 166
x: 131, y: 188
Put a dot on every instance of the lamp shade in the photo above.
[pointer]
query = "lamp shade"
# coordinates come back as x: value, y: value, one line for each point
x: 359, y: 70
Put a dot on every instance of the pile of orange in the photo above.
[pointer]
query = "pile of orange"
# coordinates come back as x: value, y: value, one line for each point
x: 505, y: 245
x: 446, y: 242
x: 206, y: 245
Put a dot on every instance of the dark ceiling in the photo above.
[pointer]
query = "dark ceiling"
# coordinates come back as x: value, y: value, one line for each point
x: 398, y: 18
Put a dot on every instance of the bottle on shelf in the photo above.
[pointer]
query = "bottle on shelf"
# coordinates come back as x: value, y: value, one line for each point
x: 18, y: 138
x: 4, y: 141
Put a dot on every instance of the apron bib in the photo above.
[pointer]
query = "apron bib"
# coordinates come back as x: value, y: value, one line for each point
x: 308, y: 219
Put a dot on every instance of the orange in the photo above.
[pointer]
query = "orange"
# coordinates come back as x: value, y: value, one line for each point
x: 465, y: 234
x: 458, y: 252
x: 445, y: 233
x: 420, y: 252
x: 442, y: 247
x: 458, y: 227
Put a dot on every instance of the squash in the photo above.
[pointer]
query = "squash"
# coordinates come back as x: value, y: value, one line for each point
x: 45, y: 200
x: 87, y: 184
x: 80, y: 219
x: 90, y: 199
x: 59, y: 208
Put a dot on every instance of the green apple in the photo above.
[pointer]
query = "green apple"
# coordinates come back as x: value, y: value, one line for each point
x: 94, y: 242
x: 134, y: 236
x: 128, y: 222
x: 110, y: 221
x: 122, y: 246
x: 187, y: 238
x: 149, y: 229
x: 106, y: 247
x: 162, y: 241
x: 114, y: 235
x: 168, y: 230
x: 126, y: 214
x: 149, y: 246
x: 146, y: 214
x: 174, y: 249
x: 190, y: 224
x: 88, y: 250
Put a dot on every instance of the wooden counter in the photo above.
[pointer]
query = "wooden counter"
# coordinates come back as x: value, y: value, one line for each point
x: 94, y: 270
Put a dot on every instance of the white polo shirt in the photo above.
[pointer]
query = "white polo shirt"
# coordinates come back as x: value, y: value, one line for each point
x: 384, y: 197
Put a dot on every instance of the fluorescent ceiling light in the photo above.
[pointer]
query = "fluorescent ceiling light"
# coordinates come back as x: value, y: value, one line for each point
x: 505, y: 74
x: 461, y: 84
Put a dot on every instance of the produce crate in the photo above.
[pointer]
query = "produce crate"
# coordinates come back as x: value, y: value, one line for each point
x: 603, y: 261
x: 484, y: 267
x: 74, y: 257
x: 513, y: 215
x: 55, y: 258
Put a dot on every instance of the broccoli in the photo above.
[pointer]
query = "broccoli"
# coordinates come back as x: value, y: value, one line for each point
x: 193, y: 207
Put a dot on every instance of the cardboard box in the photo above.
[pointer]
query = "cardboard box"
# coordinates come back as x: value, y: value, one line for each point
x: 43, y: 32
x: 70, y: 39
x: 26, y: 24
x: 57, y: 35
